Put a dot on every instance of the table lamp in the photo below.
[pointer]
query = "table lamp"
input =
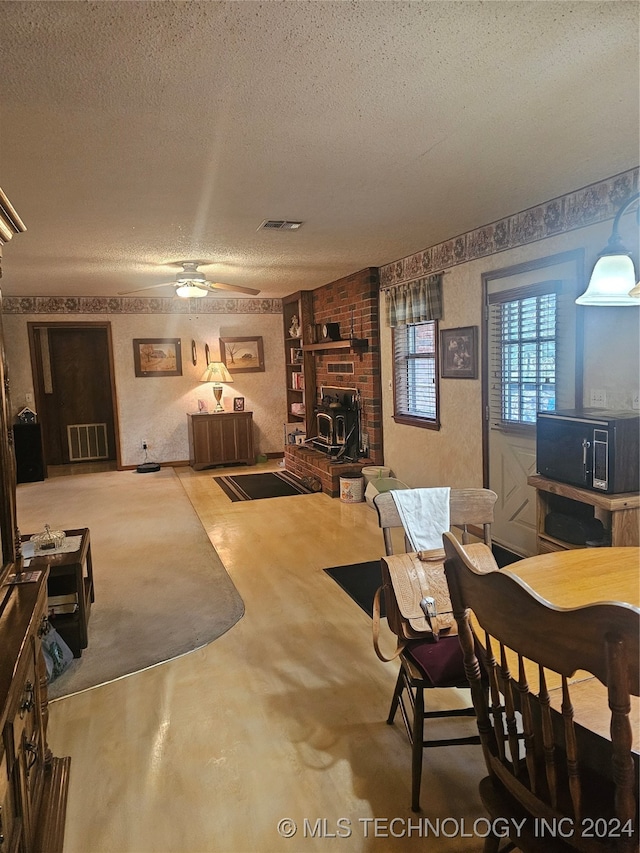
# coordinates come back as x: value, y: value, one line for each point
x: 217, y: 373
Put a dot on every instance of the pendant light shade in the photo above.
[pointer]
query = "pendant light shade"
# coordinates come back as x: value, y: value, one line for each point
x: 613, y: 280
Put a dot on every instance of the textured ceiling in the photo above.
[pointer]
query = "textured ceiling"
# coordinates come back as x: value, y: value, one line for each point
x: 135, y: 134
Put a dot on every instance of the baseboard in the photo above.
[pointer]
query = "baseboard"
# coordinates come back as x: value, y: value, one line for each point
x: 181, y: 463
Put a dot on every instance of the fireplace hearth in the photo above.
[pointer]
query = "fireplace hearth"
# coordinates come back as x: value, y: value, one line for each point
x: 304, y: 461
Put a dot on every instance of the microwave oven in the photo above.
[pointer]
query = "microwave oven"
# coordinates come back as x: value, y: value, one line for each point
x: 589, y: 448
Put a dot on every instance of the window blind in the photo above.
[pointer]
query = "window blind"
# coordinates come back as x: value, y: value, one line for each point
x: 415, y: 371
x: 524, y: 348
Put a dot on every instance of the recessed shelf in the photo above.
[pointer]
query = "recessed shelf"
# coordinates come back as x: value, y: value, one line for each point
x: 350, y: 343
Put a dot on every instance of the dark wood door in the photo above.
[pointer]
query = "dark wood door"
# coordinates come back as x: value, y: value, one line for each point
x: 76, y: 391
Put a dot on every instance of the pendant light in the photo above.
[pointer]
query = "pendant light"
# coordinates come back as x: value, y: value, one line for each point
x: 613, y: 280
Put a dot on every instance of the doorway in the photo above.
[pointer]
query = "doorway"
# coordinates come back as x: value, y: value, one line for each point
x: 532, y: 361
x: 73, y: 377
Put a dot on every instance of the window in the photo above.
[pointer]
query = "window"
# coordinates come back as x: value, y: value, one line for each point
x: 415, y: 374
x: 523, y: 369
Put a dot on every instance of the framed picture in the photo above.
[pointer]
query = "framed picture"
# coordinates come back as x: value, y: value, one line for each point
x: 459, y: 353
x: 238, y: 404
x: 242, y: 355
x: 157, y: 356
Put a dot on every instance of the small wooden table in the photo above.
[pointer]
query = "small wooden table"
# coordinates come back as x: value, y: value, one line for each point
x: 70, y: 573
x: 585, y: 576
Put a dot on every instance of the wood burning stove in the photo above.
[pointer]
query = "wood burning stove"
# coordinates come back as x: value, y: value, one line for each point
x: 338, y: 422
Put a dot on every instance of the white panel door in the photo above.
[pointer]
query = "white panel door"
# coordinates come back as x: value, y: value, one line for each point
x: 512, y: 458
x: 510, y: 428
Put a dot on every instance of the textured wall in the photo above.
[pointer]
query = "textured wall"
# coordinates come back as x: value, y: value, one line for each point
x: 155, y: 408
x: 453, y: 455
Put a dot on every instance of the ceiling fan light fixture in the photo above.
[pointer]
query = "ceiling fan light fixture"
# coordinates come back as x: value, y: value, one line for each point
x: 189, y: 289
x: 191, y: 274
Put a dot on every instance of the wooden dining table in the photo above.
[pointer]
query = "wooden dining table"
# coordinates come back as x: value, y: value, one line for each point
x: 576, y: 577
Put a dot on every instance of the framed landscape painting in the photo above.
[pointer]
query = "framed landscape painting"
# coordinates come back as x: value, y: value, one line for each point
x: 157, y: 356
x: 242, y: 355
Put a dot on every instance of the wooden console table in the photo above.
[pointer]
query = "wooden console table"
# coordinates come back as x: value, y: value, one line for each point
x: 70, y: 574
x: 620, y: 514
x: 220, y: 438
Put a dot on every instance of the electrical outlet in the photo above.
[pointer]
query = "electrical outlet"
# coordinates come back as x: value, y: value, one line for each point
x: 28, y: 397
x: 144, y: 444
x: 598, y: 399
x: 635, y: 403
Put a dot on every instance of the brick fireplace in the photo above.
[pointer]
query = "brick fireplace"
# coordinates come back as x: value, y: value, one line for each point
x: 307, y: 462
x: 353, y: 302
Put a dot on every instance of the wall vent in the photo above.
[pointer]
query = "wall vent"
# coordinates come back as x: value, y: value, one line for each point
x: 340, y: 367
x: 87, y: 441
x: 280, y: 225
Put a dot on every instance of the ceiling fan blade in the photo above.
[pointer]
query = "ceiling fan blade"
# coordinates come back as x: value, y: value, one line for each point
x: 217, y: 285
x: 151, y: 287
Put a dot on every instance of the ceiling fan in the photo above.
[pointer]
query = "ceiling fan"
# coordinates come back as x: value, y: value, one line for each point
x: 190, y: 282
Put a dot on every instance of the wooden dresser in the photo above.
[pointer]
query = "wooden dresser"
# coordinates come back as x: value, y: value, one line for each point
x: 222, y: 438
x: 33, y: 784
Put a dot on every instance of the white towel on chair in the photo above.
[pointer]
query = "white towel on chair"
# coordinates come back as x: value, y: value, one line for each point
x: 424, y: 514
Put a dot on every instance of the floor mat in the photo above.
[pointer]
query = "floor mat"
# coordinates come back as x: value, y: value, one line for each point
x: 269, y: 484
x: 360, y: 581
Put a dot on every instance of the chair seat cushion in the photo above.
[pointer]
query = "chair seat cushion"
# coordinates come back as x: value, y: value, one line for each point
x: 441, y: 662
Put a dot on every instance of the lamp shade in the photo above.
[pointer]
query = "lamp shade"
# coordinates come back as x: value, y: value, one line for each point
x: 612, y: 278
x: 187, y: 290
x: 216, y: 372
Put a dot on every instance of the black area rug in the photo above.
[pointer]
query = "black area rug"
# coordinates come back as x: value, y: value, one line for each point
x: 361, y: 580
x: 254, y: 487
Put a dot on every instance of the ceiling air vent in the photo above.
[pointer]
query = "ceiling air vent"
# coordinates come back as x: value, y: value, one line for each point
x: 279, y: 225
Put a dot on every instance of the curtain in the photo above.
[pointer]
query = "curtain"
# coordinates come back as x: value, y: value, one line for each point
x: 414, y: 302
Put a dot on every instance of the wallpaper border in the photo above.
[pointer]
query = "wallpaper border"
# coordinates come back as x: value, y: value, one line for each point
x: 594, y: 203
x: 136, y: 305
x: 587, y: 206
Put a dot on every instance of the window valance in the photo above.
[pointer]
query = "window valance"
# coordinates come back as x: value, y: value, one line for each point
x: 414, y: 302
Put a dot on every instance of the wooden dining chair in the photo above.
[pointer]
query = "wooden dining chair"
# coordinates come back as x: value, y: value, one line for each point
x: 426, y: 665
x: 564, y: 786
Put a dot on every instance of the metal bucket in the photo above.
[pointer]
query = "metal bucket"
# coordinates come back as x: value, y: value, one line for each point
x: 351, y: 490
